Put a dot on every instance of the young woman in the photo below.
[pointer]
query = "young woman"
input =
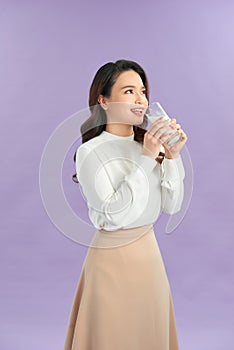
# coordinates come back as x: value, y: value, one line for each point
x: 128, y: 175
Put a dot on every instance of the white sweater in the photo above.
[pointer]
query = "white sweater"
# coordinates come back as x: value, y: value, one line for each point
x: 123, y: 188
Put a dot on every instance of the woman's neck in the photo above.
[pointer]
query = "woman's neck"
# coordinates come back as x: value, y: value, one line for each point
x: 119, y: 129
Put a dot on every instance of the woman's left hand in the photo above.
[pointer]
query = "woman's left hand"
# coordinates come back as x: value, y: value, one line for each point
x: 173, y: 151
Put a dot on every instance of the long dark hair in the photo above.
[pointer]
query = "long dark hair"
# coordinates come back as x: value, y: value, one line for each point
x: 102, y: 84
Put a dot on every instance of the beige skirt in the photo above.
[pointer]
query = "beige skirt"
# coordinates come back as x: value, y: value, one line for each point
x: 123, y: 299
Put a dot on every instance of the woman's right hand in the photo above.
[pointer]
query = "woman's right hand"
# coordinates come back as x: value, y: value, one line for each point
x: 155, y: 137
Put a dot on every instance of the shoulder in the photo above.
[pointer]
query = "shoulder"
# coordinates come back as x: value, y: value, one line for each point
x: 92, y: 143
x: 85, y: 148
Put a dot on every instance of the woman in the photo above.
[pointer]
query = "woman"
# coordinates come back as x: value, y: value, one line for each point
x: 123, y: 299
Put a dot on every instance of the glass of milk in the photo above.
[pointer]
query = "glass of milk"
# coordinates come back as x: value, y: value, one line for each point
x: 154, y: 112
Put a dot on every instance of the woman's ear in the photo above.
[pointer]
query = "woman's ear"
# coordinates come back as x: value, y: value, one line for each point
x: 102, y: 100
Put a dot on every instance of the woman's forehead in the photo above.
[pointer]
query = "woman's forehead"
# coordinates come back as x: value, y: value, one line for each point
x: 129, y: 78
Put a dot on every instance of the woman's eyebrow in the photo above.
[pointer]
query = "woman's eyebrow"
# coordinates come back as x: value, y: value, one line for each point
x: 131, y: 86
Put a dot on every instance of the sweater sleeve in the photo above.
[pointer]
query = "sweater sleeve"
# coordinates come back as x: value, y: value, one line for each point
x: 172, y: 184
x: 121, y: 202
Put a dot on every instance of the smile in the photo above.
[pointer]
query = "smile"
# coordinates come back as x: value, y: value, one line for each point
x: 138, y: 111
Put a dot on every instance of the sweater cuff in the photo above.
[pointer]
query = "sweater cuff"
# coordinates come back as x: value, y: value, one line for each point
x: 172, y: 169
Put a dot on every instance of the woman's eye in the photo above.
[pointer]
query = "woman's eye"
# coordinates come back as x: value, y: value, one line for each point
x: 130, y: 91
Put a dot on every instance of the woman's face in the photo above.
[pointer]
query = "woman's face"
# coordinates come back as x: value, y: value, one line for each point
x: 127, y: 103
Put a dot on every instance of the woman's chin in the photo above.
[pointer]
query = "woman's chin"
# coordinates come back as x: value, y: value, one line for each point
x: 138, y: 121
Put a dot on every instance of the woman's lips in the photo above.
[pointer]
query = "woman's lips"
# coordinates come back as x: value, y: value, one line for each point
x: 138, y: 111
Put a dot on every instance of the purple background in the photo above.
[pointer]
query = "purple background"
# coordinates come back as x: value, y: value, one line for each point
x: 49, y: 54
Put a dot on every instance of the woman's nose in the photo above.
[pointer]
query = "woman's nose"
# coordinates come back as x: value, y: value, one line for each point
x: 139, y: 98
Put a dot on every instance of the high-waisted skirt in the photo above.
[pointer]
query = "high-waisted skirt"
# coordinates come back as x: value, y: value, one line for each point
x: 123, y: 299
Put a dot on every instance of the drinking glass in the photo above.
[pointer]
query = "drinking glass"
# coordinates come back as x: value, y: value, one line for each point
x: 154, y: 112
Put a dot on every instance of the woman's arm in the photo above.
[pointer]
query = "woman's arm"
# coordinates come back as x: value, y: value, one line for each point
x: 120, y: 203
x: 172, y: 184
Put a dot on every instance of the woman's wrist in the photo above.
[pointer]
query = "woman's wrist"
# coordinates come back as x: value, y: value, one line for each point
x: 147, y: 153
x: 170, y: 155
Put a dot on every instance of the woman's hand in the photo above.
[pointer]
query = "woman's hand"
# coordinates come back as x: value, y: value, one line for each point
x: 173, y: 151
x: 156, y: 136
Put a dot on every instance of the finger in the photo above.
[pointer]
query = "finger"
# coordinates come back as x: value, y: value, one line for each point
x: 160, y: 119
x: 183, y: 136
x: 157, y: 125
x: 159, y: 122
x: 159, y: 128
x: 173, y: 120
x: 167, y: 138
x: 165, y: 130
x: 175, y: 126
x: 182, y: 140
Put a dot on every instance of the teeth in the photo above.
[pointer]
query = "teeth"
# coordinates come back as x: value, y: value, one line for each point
x: 137, y: 109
